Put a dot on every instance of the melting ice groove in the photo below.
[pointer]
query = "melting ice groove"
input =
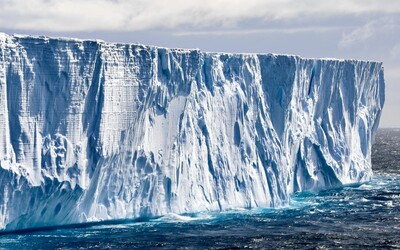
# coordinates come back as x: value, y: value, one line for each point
x: 94, y: 131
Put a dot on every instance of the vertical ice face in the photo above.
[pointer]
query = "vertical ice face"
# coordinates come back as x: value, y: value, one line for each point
x: 94, y: 131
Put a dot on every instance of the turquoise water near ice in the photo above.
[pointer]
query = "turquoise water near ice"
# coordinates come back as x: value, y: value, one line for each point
x: 359, y: 216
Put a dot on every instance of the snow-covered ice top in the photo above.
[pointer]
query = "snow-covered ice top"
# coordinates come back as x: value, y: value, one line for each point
x: 94, y: 131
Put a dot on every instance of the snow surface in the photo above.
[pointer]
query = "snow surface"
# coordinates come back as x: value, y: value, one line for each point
x: 94, y: 131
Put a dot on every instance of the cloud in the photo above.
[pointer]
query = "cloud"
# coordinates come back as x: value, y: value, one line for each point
x: 133, y: 15
x: 359, y: 34
x: 395, y: 54
x: 369, y: 30
x: 240, y: 32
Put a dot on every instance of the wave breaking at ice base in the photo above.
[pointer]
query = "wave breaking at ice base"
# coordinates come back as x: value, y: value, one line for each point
x: 322, y: 219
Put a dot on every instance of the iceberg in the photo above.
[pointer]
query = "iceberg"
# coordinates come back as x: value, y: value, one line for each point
x: 93, y: 131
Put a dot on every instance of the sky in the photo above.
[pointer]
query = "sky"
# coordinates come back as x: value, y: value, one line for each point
x: 350, y: 29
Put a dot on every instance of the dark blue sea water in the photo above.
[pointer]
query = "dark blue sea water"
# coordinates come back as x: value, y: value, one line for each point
x: 352, y: 217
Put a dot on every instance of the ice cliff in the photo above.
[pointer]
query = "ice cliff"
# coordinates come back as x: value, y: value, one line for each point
x: 94, y: 131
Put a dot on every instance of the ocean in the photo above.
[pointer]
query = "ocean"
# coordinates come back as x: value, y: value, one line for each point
x: 361, y: 216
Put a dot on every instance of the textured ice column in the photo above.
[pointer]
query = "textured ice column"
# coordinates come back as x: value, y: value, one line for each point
x: 97, y: 131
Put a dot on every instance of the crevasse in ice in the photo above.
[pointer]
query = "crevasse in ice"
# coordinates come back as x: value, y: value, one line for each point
x: 94, y: 131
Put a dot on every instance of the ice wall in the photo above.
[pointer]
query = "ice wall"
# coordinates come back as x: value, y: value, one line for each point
x: 93, y: 131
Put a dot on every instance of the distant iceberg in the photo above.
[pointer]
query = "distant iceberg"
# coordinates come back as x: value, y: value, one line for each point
x: 93, y: 131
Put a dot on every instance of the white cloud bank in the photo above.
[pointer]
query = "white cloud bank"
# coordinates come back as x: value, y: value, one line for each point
x: 131, y: 15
